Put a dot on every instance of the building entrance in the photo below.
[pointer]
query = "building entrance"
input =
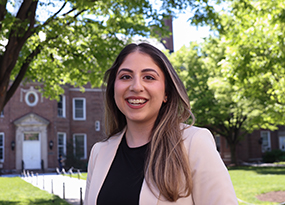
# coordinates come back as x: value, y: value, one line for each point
x: 32, y: 151
x: 31, y: 142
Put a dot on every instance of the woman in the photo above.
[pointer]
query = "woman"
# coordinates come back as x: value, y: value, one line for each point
x: 150, y: 157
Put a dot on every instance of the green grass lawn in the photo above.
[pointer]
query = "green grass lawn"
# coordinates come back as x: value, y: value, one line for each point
x: 251, y: 181
x: 248, y: 183
x: 14, y: 190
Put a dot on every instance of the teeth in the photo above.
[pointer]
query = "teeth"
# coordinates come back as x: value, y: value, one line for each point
x: 136, y: 101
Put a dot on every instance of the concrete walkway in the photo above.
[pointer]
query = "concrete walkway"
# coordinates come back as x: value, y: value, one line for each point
x: 70, y: 189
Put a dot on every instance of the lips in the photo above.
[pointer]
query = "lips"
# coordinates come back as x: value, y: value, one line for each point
x: 136, y: 101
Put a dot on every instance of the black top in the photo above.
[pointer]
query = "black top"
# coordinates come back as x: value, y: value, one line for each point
x: 124, y: 180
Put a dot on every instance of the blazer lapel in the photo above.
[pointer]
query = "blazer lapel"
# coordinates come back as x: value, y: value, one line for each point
x: 104, y: 161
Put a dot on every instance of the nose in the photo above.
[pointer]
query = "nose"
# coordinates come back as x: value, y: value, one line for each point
x: 136, y: 85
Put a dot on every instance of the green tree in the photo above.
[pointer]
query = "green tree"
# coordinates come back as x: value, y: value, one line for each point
x: 259, y: 61
x: 58, y: 42
x: 253, y: 33
x: 240, y: 82
x: 217, y: 103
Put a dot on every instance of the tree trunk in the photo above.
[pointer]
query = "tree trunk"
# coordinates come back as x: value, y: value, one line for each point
x: 18, y: 36
x: 3, y: 92
x: 233, y: 154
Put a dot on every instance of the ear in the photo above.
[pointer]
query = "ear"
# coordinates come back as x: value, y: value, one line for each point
x: 165, y: 99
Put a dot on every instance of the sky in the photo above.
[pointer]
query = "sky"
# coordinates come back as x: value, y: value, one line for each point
x: 183, y: 33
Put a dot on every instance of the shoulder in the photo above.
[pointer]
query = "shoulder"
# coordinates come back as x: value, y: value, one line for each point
x: 209, y: 173
x: 189, y: 132
x: 197, y: 136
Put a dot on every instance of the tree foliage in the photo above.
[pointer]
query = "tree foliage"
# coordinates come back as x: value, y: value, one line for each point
x: 215, y: 103
x: 255, y: 55
x: 235, y: 80
x: 254, y: 37
x: 59, y: 42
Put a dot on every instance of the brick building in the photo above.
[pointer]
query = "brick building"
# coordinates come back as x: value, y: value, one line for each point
x: 254, y: 145
x: 258, y: 142
x: 34, y: 130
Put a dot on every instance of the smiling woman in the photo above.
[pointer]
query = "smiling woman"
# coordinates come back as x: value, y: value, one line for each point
x: 139, y: 93
x: 150, y: 156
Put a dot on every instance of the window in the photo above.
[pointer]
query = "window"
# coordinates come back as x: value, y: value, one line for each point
x: 79, y: 146
x: 1, y: 147
x: 61, y: 106
x: 31, y: 137
x: 31, y: 98
x: 266, y: 144
x: 2, y: 113
x: 218, y: 142
x: 79, y: 111
x: 61, y: 144
x: 282, y: 143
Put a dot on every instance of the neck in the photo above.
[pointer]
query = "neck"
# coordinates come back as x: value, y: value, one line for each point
x: 138, y: 134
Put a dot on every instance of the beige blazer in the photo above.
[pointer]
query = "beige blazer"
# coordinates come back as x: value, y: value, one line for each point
x: 211, y: 180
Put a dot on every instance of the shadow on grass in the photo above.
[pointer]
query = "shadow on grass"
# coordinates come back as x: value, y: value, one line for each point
x: 262, y: 170
x: 55, y: 200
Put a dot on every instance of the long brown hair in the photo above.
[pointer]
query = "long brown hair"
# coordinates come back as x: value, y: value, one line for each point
x: 167, y: 164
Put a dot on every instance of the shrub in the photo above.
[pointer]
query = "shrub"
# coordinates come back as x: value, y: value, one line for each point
x: 274, y: 156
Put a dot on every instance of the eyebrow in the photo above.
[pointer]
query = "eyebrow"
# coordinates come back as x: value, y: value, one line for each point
x: 143, y: 71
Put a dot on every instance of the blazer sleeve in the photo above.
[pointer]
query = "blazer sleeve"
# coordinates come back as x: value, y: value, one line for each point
x: 91, y: 164
x: 211, y: 181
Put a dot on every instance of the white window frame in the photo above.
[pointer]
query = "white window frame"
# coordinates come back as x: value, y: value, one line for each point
x: 281, y: 138
x: 64, y: 143
x: 3, y: 146
x: 268, y: 147
x: 31, y: 104
x: 85, y: 145
x: 84, y: 108
x: 63, y: 107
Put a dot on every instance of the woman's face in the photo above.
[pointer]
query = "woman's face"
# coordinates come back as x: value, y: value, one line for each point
x: 139, y: 88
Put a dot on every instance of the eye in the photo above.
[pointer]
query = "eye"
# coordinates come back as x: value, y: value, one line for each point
x: 125, y: 77
x: 148, y: 77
